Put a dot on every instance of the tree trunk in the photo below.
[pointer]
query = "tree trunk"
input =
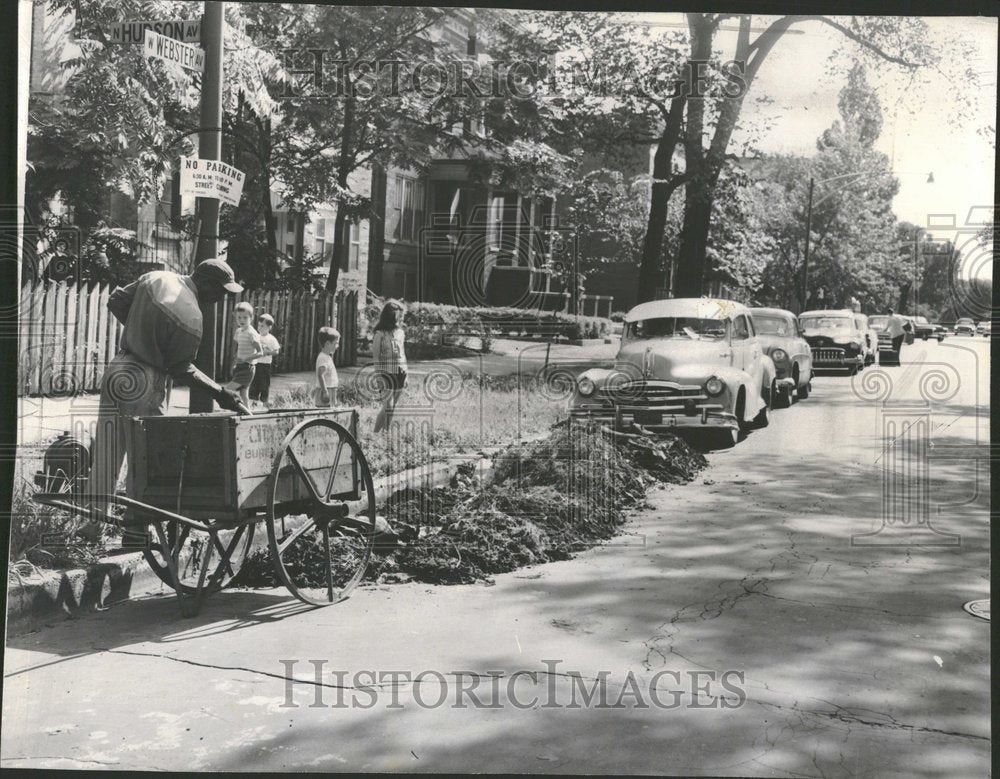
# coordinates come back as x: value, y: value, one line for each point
x: 664, y: 184
x: 343, y: 170
x: 690, y: 274
x: 270, y: 227
x: 339, y: 253
x: 650, y: 272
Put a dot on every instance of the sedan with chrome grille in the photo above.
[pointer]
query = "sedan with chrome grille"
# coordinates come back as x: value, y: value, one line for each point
x: 834, y: 339
x: 693, y: 363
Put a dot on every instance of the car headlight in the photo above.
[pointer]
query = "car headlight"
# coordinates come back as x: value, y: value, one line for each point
x: 779, y: 355
x: 714, y: 386
x: 586, y: 386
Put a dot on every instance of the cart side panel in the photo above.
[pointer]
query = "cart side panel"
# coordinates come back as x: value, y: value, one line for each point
x: 258, y: 439
x: 204, y: 444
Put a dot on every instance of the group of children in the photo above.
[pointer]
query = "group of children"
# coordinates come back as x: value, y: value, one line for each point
x: 254, y: 350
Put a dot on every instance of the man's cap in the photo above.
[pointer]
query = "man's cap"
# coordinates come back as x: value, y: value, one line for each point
x: 216, y: 270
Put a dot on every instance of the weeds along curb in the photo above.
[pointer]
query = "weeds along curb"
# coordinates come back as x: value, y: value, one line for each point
x: 120, y: 577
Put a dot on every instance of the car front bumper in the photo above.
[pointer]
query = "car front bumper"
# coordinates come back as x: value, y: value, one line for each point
x: 655, y: 406
x: 656, y: 421
x: 834, y: 358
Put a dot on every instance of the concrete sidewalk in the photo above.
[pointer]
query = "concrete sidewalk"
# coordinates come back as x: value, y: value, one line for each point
x: 40, y: 418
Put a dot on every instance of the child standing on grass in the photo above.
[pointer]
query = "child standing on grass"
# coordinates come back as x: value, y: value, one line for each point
x: 261, y: 387
x: 325, y: 391
x: 247, y: 350
x: 389, y: 351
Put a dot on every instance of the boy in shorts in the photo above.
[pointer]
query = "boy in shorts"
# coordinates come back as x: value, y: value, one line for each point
x: 247, y: 350
x: 325, y: 391
x: 261, y: 387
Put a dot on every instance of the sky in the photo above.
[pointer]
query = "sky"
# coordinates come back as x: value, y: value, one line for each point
x: 918, y: 133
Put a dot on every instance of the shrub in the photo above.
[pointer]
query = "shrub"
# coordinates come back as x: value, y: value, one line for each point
x: 474, y: 327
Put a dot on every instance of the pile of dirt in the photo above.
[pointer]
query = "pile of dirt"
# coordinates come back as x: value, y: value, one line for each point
x: 549, y: 499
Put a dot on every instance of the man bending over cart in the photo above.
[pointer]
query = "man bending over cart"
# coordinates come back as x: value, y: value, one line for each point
x: 161, y: 315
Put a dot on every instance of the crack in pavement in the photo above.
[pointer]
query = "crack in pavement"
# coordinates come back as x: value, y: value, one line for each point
x: 404, y: 683
x: 845, y: 715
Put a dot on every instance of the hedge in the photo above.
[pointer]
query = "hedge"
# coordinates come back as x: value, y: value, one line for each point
x: 437, y: 323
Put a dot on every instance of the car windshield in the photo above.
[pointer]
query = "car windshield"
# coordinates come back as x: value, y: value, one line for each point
x: 825, y: 323
x: 964, y: 321
x: 773, y: 325
x: 920, y: 320
x: 878, y: 321
x: 676, y: 327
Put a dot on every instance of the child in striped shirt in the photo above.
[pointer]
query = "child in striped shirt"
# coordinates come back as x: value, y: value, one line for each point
x: 247, y: 351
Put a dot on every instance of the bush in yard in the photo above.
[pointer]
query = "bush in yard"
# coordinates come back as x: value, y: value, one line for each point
x: 427, y: 323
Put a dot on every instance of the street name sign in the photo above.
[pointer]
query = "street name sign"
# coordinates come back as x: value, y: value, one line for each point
x: 185, y: 30
x: 211, y: 178
x: 169, y: 50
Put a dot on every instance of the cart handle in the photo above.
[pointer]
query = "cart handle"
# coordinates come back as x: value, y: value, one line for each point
x: 58, y: 500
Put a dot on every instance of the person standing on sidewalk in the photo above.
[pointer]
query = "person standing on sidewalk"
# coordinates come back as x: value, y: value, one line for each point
x: 894, y: 327
x: 247, y: 350
x: 388, y: 349
x: 162, y: 327
x: 261, y: 387
x: 325, y: 391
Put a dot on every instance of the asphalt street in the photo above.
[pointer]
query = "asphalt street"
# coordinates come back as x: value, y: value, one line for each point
x: 795, y: 611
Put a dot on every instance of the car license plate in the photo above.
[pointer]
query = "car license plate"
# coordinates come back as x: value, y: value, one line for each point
x: 649, y: 418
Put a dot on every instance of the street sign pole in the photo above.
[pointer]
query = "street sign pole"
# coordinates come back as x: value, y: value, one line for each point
x: 209, y: 148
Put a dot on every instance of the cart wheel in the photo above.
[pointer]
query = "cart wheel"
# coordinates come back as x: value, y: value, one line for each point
x: 321, y: 555
x: 189, y: 546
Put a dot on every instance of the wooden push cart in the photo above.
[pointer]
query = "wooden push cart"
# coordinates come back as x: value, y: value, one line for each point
x: 202, y: 482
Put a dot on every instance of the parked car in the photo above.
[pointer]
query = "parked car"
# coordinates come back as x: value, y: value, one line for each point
x: 834, y: 339
x: 693, y: 363
x: 984, y: 327
x: 870, y: 345
x: 965, y: 326
x: 782, y: 341
x: 922, y: 328
x: 940, y: 331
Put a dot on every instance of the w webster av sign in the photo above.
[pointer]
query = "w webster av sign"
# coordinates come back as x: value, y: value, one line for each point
x: 211, y: 178
x: 170, y: 50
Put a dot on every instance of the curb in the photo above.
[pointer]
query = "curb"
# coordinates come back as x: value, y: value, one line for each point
x: 124, y: 576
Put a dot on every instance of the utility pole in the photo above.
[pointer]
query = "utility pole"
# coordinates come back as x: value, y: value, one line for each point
x: 209, y: 148
x: 805, y: 260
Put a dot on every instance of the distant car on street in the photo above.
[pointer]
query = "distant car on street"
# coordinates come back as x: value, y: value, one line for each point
x: 691, y: 363
x: 834, y: 339
x: 965, y: 326
x: 782, y: 341
x: 984, y: 327
x: 923, y: 329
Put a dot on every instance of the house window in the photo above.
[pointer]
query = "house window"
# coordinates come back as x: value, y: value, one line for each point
x: 408, y: 209
x: 290, y: 249
x: 354, y: 246
x: 289, y: 223
x: 320, y: 237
